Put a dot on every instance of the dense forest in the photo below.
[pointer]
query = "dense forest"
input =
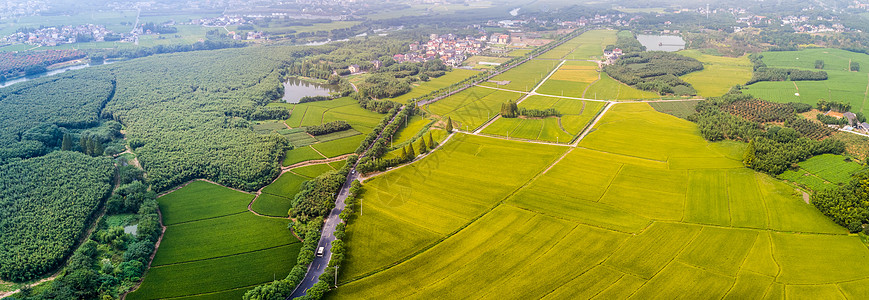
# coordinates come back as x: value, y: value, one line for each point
x: 46, y: 204
x: 847, y: 205
x: 192, y: 121
x: 655, y: 71
x: 72, y: 101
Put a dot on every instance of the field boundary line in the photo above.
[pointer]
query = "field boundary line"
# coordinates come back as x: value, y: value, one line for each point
x: 371, y: 175
x: 610, y: 184
x: 625, y: 155
x: 215, y: 292
x: 753, y: 228
x: 209, y: 218
x: 539, y: 257
x: 590, y: 126
x: 180, y: 186
x: 223, y: 256
x: 542, y: 81
x: 448, y: 235
x: 315, y: 162
x: 744, y: 259
x: 568, y: 219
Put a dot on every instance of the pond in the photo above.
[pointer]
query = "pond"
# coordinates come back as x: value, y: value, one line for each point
x: 295, y: 89
x: 669, y: 43
x: 6, y: 83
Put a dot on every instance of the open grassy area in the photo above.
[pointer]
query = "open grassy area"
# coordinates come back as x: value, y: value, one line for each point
x: 525, y: 76
x: 484, y: 62
x: 423, y: 88
x: 841, y: 85
x: 242, y: 247
x: 641, y: 207
x: 472, y: 107
x: 719, y: 73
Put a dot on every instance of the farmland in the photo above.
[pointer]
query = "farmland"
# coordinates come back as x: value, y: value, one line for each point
x: 525, y: 76
x: 472, y: 107
x: 640, y: 206
x: 842, y: 84
x: 335, y: 144
x: 435, y: 84
x: 592, y: 44
x: 200, y: 218
x: 576, y: 115
x: 822, y: 171
x: 608, y: 88
x: 571, y: 79
x: 719, y: 73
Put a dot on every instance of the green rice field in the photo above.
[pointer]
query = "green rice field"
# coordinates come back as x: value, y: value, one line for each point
x: 525, y: 76
x: 576, y: 114
x: 422, y: 89
x: 608, y: 88
x: 822, y: 172
x: 643, y: 206
x: 200, y: 218
x: 842, y: 85
x: 472, y: 107
x: 719, y: 73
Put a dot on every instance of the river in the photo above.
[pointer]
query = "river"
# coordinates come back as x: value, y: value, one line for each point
x: 6, y: 83
x: 295, y: 89
x: 669, y: 43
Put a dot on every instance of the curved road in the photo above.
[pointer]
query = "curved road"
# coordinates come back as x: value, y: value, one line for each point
x: 327, y: 234
x: 318, y: 266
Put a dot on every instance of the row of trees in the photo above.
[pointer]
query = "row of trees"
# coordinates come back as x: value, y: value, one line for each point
x: 327, y: 128
x: 317, y: 196
x: 838, y: 106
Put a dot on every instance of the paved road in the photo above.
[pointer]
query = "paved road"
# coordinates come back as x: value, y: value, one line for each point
x: 327, y: 236
x: 318, y: 266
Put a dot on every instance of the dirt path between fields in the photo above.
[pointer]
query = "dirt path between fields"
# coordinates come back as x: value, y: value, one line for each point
x: 315, y: 162
x: 807, y: 198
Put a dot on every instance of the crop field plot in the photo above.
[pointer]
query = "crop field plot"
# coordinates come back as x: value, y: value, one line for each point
x: 414, y: 196
x: 637, y: 130
x: 841, y: 85
x: 242, y: 247
x: 201, y: 200
x: 719, y: 73
x: 525, y: 76
x: 301, y: 154
x: 339, y: 147
x: 608, y: 88
x: 607, y: 220
x: 435, y: 84
x: 679, y: 109
x: 592, y: 44
x: 312, y: 171
x: 576, y: 114
x: 571, y: 80
x: 342, y: 109
x: 409, y: 129
x: 471, y: 108
x: 832, y: 168
x: 276, y: 198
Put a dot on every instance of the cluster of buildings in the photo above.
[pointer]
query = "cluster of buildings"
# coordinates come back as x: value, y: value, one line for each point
x: 611, y: 56
x: 449, y: 48
x: 16, y: 8
x: 221, y: 21
x: 854, y: 124
x: 53, y: 36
